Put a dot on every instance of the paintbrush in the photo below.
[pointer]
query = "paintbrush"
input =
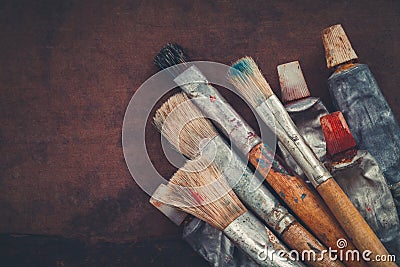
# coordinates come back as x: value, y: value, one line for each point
x: 183, y: 125
x: 303, y: 201
x: 250, y: 82
x: 200, y: 189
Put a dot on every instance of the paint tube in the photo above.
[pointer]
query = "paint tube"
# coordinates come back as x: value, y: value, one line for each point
x: 214, y: 246
x: 355, y: 92
x: 304, y: 110
x: 358, y: 174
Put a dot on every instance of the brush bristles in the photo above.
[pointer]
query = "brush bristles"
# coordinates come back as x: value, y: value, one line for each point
x: 201, y: 190
x: 183, y: 125
x: 245, y: 75
x: 170, y: 55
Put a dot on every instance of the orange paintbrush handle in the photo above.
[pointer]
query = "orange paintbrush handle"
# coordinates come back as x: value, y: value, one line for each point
x: 298, y: 238
x: 352, y: 221
x: 302, y: 200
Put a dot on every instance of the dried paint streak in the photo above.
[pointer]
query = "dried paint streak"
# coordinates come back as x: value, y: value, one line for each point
x: 197, y: 197
x: 303, y: 196
x: 279, y: 168
x: 250, y: 135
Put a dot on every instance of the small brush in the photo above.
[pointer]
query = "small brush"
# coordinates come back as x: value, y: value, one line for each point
x: 201, y: 190
x: 184, y: 126
x: 303, y: 201
x: 250, y: 82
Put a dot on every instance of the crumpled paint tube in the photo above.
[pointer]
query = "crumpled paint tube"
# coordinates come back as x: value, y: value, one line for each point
x: 358, y: 174
x: 355, y: 92
x: 214, y: 246
x: 210, y: 243
x: 304, y: 110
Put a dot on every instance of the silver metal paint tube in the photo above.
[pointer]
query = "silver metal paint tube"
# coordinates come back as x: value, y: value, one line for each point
x: 258, y: 242
x: 356, y: 93
x: 213, y: 245
x: 363, y: 182
x: 358, y: 174
x: 272, y: 112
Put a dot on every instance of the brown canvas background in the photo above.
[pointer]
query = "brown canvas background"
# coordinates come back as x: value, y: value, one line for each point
x: 67, y: 72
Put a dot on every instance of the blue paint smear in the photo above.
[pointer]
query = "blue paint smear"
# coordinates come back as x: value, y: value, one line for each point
x: 241, y: 67
x: 303, y: 196
x: 296, y: 200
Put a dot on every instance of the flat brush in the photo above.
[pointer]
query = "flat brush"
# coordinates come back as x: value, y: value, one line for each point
x: 183, y: 125
x: 302, y: 200
x: 202, y: 191
x: 249, y: 80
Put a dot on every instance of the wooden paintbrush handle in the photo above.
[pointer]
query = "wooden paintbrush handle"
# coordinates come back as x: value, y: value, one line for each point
x: 301, y: 199
x: 352, y: 221
x: 298, y: 238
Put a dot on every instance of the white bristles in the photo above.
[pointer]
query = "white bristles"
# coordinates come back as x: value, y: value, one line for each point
x: 183, y: 125
x: 248, y: 79
x: 200, y: 189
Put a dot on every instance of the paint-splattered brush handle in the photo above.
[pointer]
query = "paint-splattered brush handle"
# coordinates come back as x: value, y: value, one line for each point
x: 302, y: 240
x: 301, y: 199
x: 352, y: 221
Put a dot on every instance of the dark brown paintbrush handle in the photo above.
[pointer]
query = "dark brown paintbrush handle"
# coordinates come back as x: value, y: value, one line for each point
x: 352, y: 222
x: 298, y: 238
x: 302, y: 200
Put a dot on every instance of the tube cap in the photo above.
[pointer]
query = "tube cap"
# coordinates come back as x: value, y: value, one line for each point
x: 338, y: 48
x: 293, y: 84
x: 337, y: 133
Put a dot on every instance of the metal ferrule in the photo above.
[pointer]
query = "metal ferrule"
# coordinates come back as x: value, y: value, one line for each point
x: 215, y: 107
x: 247, y: 185
x: 258, y: 241
x: 306, y: 114
x: 274, y: 114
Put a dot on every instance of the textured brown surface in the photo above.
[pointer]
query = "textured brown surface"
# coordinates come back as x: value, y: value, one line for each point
x: 69, y: 68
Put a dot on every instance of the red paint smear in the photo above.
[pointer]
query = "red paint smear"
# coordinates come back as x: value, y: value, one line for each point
x: 157, y: 204
x: 368, y: 209
x: 212, y: 98
x: 196, y: 196
x: 250, y: 135
x: 337, y: 133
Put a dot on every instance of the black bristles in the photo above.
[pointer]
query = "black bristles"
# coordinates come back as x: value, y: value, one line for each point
x: 170, y: 55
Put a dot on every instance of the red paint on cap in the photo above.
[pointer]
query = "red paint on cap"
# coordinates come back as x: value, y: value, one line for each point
x: 293, y: 84
x: 337, y: 133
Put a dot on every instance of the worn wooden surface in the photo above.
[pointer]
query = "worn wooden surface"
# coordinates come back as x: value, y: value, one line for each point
x: 69, y: 68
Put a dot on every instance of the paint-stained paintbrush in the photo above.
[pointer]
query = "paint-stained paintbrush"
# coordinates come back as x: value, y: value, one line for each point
x: 305, y: 203
x: 248, y: 79
x: 188, y: 131
x: 199, y: 189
